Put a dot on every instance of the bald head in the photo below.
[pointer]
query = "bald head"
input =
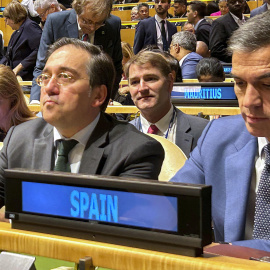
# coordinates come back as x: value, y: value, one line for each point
x: 202, y: 49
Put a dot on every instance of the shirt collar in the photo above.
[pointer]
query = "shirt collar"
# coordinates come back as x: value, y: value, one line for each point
x: 82, y: 136
x: 262, y: 141
x: 237, y: 20
x: 158, y: 19
x: 162, y: 124
x: 197, y: 24
x: 182, y: 60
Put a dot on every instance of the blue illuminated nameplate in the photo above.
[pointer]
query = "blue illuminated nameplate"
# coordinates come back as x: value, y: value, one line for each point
x: 227, y: 68
x: 203, y: 92
x: 155, y: 212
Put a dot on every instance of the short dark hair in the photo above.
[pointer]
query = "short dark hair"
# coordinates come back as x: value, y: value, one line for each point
x: 198, y: 6
x: 210, y: 66
x: 143, y: 5
x: 181, y: 2
x: 100, y: 68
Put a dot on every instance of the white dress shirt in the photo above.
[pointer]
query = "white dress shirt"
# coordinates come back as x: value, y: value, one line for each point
x: 75, y: 155
x: 166, y: 125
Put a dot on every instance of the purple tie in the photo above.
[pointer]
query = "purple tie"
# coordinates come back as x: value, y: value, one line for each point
x: 153, y: 129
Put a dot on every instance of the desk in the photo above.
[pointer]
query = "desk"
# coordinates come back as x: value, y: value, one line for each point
x: 112, y: 256
x: 188, y: 110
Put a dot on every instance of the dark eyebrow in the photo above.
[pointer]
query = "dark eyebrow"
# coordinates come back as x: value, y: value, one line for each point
x: 266, y: 75
x: 63, y: 69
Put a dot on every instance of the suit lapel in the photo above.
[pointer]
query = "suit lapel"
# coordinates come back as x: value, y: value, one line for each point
x: 231, y: 24
x: 154, y: 26
x: 238, y: 167
x: 72, y: 27
x: 94, y: 149
x: 100, y: 36
x: 43, y: 151
x: 183, y: 139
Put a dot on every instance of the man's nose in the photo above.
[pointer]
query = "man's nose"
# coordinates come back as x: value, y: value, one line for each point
x: 52, y: 87
x: 252, y: 97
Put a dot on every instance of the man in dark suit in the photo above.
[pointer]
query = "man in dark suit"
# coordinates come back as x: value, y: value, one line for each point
x: 150, y: 84
x: 75, y: 88
x: 155, y: 30
x: 260, y: 9
x: 232, y: 154
x: 89, y: 20
x: 183, y: 48
x: 195, y: 14
x: 222, y: 29
x: 180, y: 11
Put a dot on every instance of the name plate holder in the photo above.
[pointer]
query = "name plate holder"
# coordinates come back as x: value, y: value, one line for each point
x: 161, y: 216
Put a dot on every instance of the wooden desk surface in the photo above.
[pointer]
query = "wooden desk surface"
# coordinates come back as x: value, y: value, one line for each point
x: 188, y: 110
x: 112, y: 256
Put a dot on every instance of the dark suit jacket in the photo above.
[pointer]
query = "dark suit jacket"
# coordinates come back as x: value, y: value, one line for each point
x: 202, y: 32
x: 146, y: 34
x: 221, y: 31
x: 23, y: 47
x: 224, y: 158
x: 114, y: 148
x: 188, y: 67
x: 188, y: 130
x: 64, y: 24
x: 258, y: 10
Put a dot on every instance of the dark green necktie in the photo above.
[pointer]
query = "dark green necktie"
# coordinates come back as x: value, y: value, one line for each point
x: 62, y: 163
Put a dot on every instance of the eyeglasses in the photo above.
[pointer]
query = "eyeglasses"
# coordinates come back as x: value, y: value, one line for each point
x: 61, y: 79
x: 96, y: 25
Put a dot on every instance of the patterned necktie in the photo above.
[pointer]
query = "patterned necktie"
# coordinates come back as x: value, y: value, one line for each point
x: 62, y: 163
x: 85, y: 37
x: 262, y: 208
x: 153, y: 129
x: 164, y: 37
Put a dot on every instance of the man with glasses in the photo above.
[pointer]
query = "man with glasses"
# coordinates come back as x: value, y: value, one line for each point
x: 74, y: 97
x: 183, y: 48
x: 46, y: 7
x: 89, y: 20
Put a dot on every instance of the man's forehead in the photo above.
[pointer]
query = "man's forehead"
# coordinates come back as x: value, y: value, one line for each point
x: 145, y: 69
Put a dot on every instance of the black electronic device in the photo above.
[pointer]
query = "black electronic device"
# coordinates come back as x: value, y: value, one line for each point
x: 204, y: 94
x: 168, y: 217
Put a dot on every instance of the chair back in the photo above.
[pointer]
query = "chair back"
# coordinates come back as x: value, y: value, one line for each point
x: 174, y: 158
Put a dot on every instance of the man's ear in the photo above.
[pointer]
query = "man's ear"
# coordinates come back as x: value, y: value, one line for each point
x: 99, y: 94
x: 195, y: 13
x: 171, y: 81
x: 177, y: 48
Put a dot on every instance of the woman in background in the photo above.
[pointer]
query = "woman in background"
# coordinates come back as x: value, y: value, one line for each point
x: 13, y: 108
x: 23, y: 46
x: 223, y: 8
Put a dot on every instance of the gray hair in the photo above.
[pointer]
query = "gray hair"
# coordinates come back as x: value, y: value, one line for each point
x: 186, y: 40
x: 43, y: 4
x: 100, y: 68
x: 252, y: 35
